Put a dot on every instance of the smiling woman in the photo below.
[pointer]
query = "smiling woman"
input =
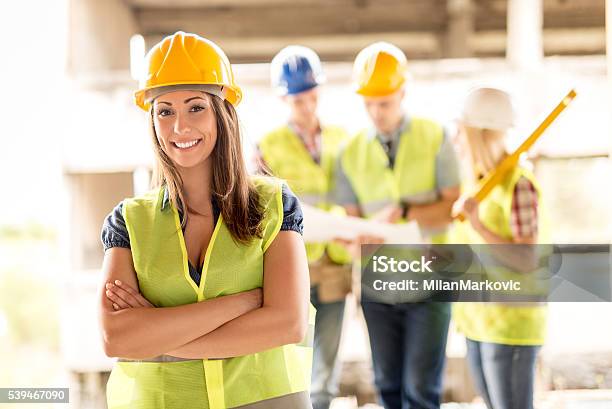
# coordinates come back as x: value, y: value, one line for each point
x: 205, y: 301
x: 196, y: 130
x: 184, y: 130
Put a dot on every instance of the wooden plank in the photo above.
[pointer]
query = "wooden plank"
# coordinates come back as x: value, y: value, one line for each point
x: 491, y: 14
x: 556, y: 41
x: 340, y: 47
x: 416, y: 45
x: 207, y: 4
x: 298, y: 20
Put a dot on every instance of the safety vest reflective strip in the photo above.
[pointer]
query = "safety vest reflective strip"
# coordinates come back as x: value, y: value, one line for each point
x: 214, y: 383
x: 287, y: 158
x: 213, y: 369
x: 160, y: 260
x: 503, y: 323
x: 413, y: 177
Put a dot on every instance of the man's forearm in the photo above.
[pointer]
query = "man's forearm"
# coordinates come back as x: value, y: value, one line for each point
x: 437, y: 214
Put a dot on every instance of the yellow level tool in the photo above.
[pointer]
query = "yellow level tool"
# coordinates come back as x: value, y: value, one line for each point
x: 497, y: 175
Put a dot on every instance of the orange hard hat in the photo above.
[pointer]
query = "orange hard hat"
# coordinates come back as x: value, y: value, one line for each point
x: 184, y: 59
x: 379, y: 70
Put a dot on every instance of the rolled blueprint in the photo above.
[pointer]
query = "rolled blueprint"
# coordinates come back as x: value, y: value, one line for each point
x: 323, y: 226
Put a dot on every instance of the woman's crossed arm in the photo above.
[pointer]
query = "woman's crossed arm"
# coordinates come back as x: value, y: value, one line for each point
x: 144, y: 332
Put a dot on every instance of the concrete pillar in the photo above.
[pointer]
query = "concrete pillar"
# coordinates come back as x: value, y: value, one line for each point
x: 100, y: 33
x: 460, y: 28
x: 609, y: 59
x: 609, y: 38
x: 524, y: 49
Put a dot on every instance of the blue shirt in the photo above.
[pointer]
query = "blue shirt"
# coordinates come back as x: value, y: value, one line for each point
x: 115, y: 234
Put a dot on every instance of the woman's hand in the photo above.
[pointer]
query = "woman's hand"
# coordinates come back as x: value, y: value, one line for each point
x: 124, y: 296
x: 468, y: 206
x: 389, y: 214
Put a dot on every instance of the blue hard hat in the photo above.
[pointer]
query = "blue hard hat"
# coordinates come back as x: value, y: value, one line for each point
x: 296, y: 69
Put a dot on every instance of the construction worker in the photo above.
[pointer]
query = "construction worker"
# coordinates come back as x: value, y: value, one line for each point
x: 503, y: 339
x: 403, y: 168
x: 304, y: 152
x: 206, y: 277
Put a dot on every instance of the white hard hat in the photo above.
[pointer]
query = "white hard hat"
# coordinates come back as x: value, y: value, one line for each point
x: 488, y: 108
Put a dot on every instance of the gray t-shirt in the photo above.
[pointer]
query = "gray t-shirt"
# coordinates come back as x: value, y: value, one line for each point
x: 447, y: 166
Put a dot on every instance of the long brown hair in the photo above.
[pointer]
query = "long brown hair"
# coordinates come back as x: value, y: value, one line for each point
x: 231, y: 186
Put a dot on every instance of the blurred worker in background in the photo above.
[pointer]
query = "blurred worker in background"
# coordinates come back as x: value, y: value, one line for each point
x: 502, y: 339
x: 304, y: 153
x: 403, y: 168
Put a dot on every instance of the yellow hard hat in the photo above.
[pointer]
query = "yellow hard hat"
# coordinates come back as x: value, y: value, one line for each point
x: 379, y: 70
x: 187, y: 59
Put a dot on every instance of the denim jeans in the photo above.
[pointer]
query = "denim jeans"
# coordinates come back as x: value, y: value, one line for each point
x: 325, y: 371
x: 503, y: 374
x: 408, y: 343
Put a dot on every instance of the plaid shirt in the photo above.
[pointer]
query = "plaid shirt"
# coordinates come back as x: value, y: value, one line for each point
x: 313, y: 145
x: 524, y: 215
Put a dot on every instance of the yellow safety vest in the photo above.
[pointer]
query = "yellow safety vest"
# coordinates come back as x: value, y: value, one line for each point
x: 412, y: 179
x: 503, y: 323
x: 161, y: 263
x: 287, y: 158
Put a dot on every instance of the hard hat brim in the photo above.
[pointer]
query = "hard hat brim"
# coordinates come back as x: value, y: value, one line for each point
x: 232, y: 94
x: 299, y: 90
x: 370, y: 92
x: 492, y: 125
